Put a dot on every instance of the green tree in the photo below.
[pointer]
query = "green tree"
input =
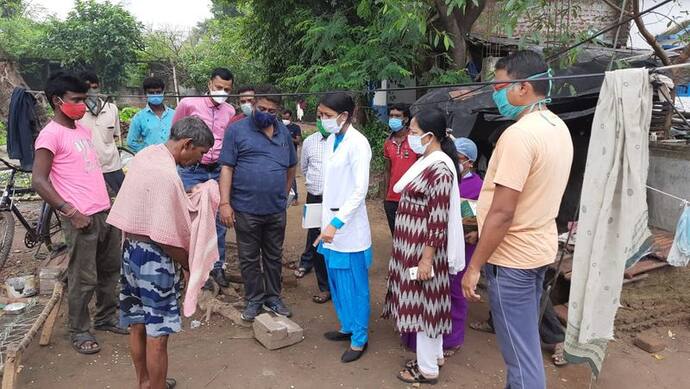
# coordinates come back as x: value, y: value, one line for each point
x: 98, y: 35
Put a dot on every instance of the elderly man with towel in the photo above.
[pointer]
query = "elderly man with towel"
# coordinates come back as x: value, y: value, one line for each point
x: 164, y: 229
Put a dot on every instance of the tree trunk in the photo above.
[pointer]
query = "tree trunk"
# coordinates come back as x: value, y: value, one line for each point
x: 10, y: 79
x: 658, y: 50
x: 458, y: 25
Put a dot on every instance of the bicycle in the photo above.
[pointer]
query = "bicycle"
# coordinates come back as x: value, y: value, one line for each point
x: 38, y: 233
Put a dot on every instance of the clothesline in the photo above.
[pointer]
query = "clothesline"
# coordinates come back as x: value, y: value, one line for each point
x: 685, y: 201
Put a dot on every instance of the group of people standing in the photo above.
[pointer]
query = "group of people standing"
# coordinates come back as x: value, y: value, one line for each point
x: 245, y: 163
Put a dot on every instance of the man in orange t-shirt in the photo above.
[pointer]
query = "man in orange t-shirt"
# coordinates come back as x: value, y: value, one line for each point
x: 516, y: 213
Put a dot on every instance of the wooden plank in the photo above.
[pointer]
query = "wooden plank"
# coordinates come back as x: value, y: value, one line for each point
x: 9, y: 372
x: 644, y: 266
x: 50, y: 322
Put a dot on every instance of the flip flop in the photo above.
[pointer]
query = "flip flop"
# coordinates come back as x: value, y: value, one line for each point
x: 322, y: 298
x: 558, y: 356
x: 482, y: 326
x: 80, y: 339
x: 417, y: 377
x: 110, y: 327
x: 301, y: 272
x: 170, y: 383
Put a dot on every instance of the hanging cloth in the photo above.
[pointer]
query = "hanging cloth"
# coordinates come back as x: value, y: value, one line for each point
x: 680, y: 250
x: 612, y: 227
x: 22, y: 125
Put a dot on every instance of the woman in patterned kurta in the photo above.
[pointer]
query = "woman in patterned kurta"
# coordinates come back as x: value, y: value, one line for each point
x: 422, y: 306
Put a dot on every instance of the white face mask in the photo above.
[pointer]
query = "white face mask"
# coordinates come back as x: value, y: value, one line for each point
x: 286, y: 122
x: 219, y: 96
x: 246, y: 109
x: 415, y: 142
x: 331, y: 125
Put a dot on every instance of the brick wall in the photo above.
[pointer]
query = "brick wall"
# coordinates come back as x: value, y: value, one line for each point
x: 585, y: 15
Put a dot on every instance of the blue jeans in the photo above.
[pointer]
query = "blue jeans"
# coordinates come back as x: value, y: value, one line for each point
x: 198, y: 174
x: 514, y: 296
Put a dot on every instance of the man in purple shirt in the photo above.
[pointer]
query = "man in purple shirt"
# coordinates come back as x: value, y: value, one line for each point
x: 216, y: 113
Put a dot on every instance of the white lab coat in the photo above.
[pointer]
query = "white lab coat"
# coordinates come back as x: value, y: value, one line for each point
x: 346, y: 183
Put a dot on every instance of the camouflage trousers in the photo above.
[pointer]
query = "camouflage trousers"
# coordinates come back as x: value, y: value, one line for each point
x: 150, y: 286
x: 94, y: 266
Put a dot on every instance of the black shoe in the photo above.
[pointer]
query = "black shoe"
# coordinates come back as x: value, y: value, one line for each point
x: 219, y: 276
x: 337, y: 336
x: 251, y: 312
x: 277, y: 306
x: 352, y: 355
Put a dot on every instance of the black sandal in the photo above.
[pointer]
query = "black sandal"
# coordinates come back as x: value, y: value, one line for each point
x: 80, y: 339
x: 322, y: 298
x: 417, y: 377
x: 412, y: 363
x: 111, y: 327
x: 170, y: 383
x: 301, y: 272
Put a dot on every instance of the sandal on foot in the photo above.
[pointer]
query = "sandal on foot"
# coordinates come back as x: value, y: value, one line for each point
x: 451, y: 351
x: 80, y: 340
x: 416, y: 377
x: 111, y: 327
x: 482, y: 326
x: 558, y: 356
x: 301, y: 272
x: 412, y: 363
x: 322, y: 298
x: 170, y: 383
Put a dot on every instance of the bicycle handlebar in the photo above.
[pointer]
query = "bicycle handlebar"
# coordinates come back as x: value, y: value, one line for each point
x: 13, y: 167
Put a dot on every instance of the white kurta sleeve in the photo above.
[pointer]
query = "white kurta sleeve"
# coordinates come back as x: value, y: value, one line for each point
x: 361, y: 159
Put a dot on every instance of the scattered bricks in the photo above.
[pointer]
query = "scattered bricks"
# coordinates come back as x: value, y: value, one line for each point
x: 275, y: 332
x: 649, y: 342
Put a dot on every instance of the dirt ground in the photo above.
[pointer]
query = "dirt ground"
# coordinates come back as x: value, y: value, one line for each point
x: 222, y: 355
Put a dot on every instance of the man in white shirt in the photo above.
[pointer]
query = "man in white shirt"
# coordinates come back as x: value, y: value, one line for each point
x: 311, y: 163
x: 103, y: 119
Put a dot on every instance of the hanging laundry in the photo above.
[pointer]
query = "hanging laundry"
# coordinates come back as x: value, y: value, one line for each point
x: 680, y: 250
x: 612, y: 226
x: 22, y: 126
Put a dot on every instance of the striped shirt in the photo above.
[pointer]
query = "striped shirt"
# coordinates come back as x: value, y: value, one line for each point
x: 311, y: 162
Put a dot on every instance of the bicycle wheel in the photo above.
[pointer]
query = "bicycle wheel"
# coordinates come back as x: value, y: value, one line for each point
x: 51, y: 227
x: 6, y: 235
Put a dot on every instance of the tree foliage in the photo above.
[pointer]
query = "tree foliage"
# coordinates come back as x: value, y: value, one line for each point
x: 101, y: 36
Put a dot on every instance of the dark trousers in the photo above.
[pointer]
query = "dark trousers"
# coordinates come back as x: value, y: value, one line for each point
x: 391, y: 207
x: 311, y: 258
x: 260, y: 249
x: 114, y: 180
x: 94, y: 267
x: 294, y: 188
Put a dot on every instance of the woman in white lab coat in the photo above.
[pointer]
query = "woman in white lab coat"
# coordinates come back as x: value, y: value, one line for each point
x: 345, y: 239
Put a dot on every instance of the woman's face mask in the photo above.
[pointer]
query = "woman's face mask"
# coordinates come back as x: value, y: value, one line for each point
x: 331, y: 125
x: 415, y: 142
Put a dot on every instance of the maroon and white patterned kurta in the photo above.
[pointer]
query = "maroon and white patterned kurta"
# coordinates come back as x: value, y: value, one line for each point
x: 421, y: 220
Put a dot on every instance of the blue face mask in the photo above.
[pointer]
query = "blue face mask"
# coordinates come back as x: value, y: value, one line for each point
x: 511, y: 111
x: 395, y: 124
x: 155, y: 99
x: 263, y: 119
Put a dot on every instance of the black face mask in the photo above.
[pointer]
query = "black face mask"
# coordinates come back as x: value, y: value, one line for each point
x: 263, y: 119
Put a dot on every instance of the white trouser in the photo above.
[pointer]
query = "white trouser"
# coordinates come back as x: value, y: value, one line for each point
x: 429, y: 351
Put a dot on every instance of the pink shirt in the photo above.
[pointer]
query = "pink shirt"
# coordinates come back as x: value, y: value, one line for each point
x: 216, y: 117
x: 76, y: 173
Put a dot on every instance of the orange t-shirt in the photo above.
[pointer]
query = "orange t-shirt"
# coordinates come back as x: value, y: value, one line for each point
x: 533, y: 157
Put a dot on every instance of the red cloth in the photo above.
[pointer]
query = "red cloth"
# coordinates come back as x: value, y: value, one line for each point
x: 401, y: 157
x: 237, y: 118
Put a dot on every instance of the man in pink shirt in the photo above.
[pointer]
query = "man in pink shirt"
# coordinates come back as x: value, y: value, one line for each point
x: 67, y: 175
x: 217, y: 114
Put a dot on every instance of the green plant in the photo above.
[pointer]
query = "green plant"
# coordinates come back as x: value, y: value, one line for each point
x: 127, y: 113
x: 376, y: 133
x: 3, y: 134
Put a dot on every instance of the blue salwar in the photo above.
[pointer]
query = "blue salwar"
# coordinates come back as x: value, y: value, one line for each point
x: 348, y: 278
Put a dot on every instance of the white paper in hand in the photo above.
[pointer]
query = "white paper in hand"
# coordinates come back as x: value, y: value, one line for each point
x: 311, y: 216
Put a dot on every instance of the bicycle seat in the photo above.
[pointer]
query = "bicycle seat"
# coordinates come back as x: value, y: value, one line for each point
x: 13, y: 167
